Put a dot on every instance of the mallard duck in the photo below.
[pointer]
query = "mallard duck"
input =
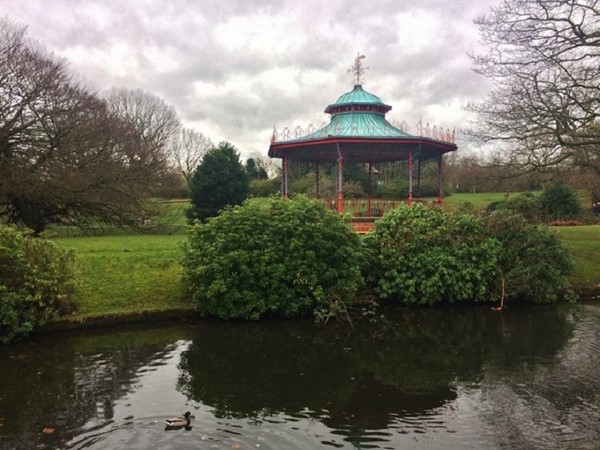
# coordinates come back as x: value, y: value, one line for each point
x: 176, y: 423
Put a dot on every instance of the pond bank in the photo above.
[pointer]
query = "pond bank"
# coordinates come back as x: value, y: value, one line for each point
x: 587, y: 294
x: 128, y: 279
x: 69, y: 323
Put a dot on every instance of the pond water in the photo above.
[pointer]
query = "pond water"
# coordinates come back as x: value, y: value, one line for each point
x: 438, y: 378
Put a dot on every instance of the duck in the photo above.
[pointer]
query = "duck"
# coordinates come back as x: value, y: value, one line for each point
x: 179, y: 422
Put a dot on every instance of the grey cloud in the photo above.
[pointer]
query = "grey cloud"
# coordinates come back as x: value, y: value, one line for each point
x: 330, y: 33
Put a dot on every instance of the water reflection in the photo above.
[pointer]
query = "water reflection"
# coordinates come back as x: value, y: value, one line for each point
x: 549, y: 399
x: 63, y: 383
x: 426, y: 378
x: 361, y: 379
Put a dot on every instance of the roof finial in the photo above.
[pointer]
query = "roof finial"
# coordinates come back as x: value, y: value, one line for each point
x: 357, y: 69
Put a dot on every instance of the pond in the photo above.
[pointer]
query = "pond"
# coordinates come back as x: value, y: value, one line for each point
x: 434, y: 378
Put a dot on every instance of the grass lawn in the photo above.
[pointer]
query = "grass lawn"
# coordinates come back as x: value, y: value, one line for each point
x: 128, y: 274
x: 584, y: 244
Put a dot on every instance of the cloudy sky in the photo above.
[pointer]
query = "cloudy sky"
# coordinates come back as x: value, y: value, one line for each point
x: 234, y: 69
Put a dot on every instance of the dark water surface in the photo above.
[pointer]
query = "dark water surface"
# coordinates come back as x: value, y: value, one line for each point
x: 446, y: 378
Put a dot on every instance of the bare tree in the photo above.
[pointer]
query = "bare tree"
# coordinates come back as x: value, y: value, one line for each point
x: 188, y: 151
x: 65, y: 156
x: 154, y: 122
x: 543, y: 58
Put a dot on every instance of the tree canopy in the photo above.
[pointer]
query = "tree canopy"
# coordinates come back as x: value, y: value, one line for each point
x: 543, y: 57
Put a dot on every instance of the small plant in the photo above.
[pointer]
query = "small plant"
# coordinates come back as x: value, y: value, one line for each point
x: 527, y: 205
x: 36, y: 282
x: 464, y: 207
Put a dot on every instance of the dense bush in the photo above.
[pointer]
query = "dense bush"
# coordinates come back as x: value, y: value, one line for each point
x: 526, y: 204
x: 534, y: 265
x: 426, y: 256
x: 421, y: 255
x: 36, y: 282
x: 559, y: 202
x: 273, y: 257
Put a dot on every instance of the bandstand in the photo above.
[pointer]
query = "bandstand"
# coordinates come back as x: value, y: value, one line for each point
x: 358, y: 133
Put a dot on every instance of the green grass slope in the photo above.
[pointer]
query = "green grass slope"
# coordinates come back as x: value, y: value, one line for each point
x: 584, y: 244
x: 128, y: 274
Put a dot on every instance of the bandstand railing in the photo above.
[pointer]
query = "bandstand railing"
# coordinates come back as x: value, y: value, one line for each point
x: 375, y: 207
x: 363, y: 218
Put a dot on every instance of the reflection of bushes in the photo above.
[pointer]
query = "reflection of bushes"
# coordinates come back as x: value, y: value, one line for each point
x: 262, y: 370
x: 243, y: 369
x: 408, y: 364
x: 424, y: 350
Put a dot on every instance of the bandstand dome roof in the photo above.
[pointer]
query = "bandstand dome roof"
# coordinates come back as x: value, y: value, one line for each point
x: 357, y: 96
x: 358, y: 126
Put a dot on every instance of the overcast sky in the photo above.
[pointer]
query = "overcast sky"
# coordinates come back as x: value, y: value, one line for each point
x: 233, y: 69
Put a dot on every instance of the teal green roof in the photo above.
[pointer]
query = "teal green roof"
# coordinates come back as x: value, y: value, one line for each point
x: 358, y: 95
x: 357, y: 124
x: 357, y: 113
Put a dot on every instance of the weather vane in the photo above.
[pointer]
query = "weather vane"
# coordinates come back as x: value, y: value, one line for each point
x: 357, y: 69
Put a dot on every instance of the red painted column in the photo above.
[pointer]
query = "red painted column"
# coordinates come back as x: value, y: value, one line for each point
x: 340, y: 199
x: 410, y: 177
x: 285, y: 177
x: 369, y: 209
x: 440, y: 198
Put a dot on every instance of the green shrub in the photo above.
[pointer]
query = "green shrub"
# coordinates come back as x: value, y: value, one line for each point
x: 527, y: 205
x: 273, y: 257
x: 559, y: 202
x: 534, y: 265
x: 265, y: 187
x: 425, y: 256
x: 36, y: 282
x: 464, y: 207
